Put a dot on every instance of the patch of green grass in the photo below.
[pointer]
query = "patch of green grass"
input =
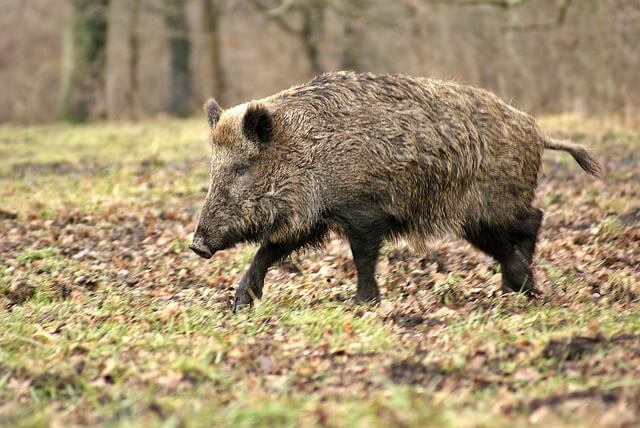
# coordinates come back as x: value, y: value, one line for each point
x: 610, y: 229
x: 158, y: 141
x: 97, y: 164
x: 32, y: 255
x: 449, y: 292
x: 620, y: 287
x: 338, y: 328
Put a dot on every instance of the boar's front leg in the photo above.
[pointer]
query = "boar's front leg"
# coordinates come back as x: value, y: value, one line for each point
x: 252, y: 281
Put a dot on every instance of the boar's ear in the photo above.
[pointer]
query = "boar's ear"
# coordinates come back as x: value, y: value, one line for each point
x: 213, y: 111
x: 257, y: 124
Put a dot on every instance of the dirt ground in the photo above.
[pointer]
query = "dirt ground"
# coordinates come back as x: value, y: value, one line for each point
x: 106, y: 317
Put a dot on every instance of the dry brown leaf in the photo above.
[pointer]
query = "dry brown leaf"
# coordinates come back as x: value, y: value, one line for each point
x: 172, y: 310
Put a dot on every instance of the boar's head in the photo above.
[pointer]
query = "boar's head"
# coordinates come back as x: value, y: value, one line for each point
x: 240, y: 204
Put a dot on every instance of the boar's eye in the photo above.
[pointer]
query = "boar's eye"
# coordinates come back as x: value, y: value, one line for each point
x: 239, y: 169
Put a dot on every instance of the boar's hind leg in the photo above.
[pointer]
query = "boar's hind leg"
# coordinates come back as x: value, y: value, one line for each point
x: 513, y: 247
x: 526, y: 234
x: 269, y: 253
x: 365, y: 247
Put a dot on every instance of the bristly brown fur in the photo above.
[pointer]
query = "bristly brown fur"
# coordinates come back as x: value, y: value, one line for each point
x: 375, y: 157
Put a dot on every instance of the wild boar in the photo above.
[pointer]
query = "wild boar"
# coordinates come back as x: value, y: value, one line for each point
x: 374, y: 158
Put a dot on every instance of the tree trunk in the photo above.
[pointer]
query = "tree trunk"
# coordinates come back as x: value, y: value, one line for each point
x: 132, y: 99
x: 350, y: 59
x: 179, y: 53
x: 211, y: 12
x: 84, y: 58
x: 353, y: 42
x: 312, y: 33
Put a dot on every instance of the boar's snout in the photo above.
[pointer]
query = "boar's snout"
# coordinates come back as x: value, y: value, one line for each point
x: 199, y: 247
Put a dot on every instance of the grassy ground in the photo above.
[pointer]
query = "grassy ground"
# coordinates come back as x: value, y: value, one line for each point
x: 107, y: 318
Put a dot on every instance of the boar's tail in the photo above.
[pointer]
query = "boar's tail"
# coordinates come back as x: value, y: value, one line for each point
x: 584, y: 157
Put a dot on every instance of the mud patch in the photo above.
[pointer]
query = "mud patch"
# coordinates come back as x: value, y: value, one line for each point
x: 7, y: 215
x: 25, y: 169
x: 631, y: 218
x: 608, y: 397
x: 577, y: 347
x: 571, y: 349
x: 412, y: 372
x: 410, y: 321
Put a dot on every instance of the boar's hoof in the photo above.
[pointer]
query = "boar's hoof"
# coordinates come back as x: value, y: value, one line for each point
x: 529, y: 294
x: 527, y: 290
x: 241, y: 300
x: 368, y: 296
x: 244, y: 297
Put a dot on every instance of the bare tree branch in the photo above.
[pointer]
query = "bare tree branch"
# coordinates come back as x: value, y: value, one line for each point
x: 276, y: 15
x: 508, y: 4
x: 557, y: 22
x: 503, y: 4
x: 153, y: 8
x: 284, y: 7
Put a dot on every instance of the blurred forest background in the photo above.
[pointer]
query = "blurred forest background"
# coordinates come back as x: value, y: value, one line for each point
x: 128, y: 59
